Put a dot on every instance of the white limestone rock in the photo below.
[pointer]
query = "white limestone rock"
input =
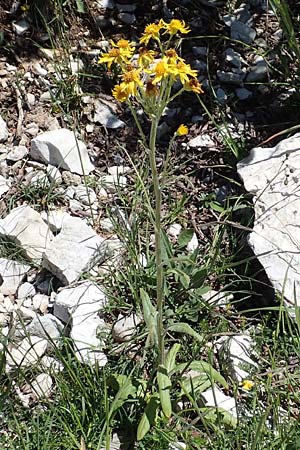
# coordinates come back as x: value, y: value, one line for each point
x: 272, y: 175
x: 47, y: 327
x: 76, y: 249
x: 4, y: 185
x: 17, y: 153
x: 25, y: 290
x: 61, y: 149
x: 105, y: 116
x: 236, y: 355
x: 214, y: 397
x: 42, y: 385
x: 55, y: 219
x: 25, y: 226
x: 125, y: 327
x: 3, y: 130
x: 28, y: 353
x: 12, y: 273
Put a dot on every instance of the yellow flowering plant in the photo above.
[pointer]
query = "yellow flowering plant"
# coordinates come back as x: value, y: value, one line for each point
x: 147, y: 79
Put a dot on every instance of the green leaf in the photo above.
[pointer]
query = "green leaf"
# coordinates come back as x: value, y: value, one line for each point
x: 203, y: 368
x: 218, y: 415
x: 80, y: 6
x: 185, y: 236
x: 126, y: 388
x: 183, y: 277
x: 184, y: 328
x: 150, y: 316
x: 148, y: 417
x: 198, y: 383
x: 164, y: 385
x: 171, y: 357
x: 167, y: 250
x: 198, y: 278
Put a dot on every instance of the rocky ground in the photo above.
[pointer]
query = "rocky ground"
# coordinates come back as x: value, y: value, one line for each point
x: 68, y: 153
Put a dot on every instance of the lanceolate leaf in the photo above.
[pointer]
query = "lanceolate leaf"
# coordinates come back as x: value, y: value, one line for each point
x: 184, y: 328
x: 203, y: 368
x: 148, y: 418
x: 150, y: 316
x: 171, y: 357
x: 164, y: 385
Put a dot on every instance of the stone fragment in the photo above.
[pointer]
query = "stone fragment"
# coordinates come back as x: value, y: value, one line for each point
x: 105, y: 116
x: 85, y: 195
x: 200, y: 51
x: 177, y: 446
x: 126, y: 7
x: 221, y: 95
x: 174, y: 230
x: 47, y: 327
x: 230, y: 77
x: 17, y: 153
x: 61, y: 149
x: 12, y: 274
x: 272, y: 175
x: 42, y: 385
x: 71, y: 179
x: 125, y: 327
x: 21, y: 26
x: 3, y: 130
x: 215, y: 298
x: 4, y: 186
x: 113, y: 182
x: 40, y: 302
x: 243, y: 93
x: 38, y: 69
x: 214, y: 397
x: 55, y: 219
x: 233, y: 58
x: 107, y: 4
x: 258, y: 71
x: 26, y: 290
x: 26, y: 228
x: 51, y: 365
x: 76, y: 249
x: 193, y: 243
x: 127, y: 18
x: 203, y: 140
x: 242, y: 32
x: 54, y: 174
x: 28, y: 353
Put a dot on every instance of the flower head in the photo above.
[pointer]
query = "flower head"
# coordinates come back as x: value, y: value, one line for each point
x: 183, y: 71
x: 123, y: 44
x: 194, y: 86
x: 119, y: 92
x: 121, y: 53
x: 172, y: 56
x: 131, y: 80
x: 177, y: 25
x: 25, y: 7
x: 152, y: 32
x: 161, y: 70
x: 145, y: 57
x: 247, y: 384
x: 182, y: 130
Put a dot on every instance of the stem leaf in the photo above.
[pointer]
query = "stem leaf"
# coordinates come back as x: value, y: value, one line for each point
x: 148, y: 417
x: 164, y: 385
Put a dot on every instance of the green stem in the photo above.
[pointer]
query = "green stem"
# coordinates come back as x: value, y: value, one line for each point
x: 137, y: 123
x: 158, y: 242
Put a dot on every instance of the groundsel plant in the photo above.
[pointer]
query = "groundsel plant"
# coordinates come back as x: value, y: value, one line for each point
x: 147, y: 78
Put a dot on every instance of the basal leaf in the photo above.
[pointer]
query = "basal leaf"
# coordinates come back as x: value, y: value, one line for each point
x: 164, y: 385
x: 184, y: 328
x: 148, y: 417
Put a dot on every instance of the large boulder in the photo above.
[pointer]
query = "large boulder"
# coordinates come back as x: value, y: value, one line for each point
x: 272, y: 175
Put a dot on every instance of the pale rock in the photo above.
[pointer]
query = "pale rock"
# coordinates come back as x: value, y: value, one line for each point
x: 30, y: 99
x: 75, y: 206
x: 76, y: 65
x: 55, y: 219
x: 42, y: 385
x: 21, y: 26
x: 38, y: 69
x: 40, y: 302
x: 105, y: 116
x: 106, y: 4
x: 85, y: 195
x: 89, y: 128
x: 46, y: 97
x: 113, y: 183
x: 26, y: 290
x: 28, y: 353
x: 76, y: 249
x: 233, y: 57
x: 102, y: 194
x: 203, y: 140
x: 17, y: 153
x: 174, y: 230
x: 214, y: 397
x: 70, y: 192
x: 47, y: 327
x: 25, y: 226
x: 177, y: 446
x: 272, y: 175
x: 51, y: 365
x: 12, y: 273
x: 106, y: 224
x: 215, y: 298
x: 125, y: 327
x: 25, y: 313
x: 118, y: 170
x: 258, y: 71
x: 80, y: 302
x: 4, y: 186
x: 54, y: 174
x: 193, y: 243
x: 235, y: 353
x: 61, y: 149
x: 3, y: 130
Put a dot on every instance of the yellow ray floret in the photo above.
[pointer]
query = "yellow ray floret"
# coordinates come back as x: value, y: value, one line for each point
x: 161, y: 70
x: 183, y: 71
x: 152, y: 32
x: 119, y: 92
x: 182, y: 130
x: 131, y: 80
x: 176, y: 26
x: 145, y: 57
x: 172, y: 56
x: 194, y: 86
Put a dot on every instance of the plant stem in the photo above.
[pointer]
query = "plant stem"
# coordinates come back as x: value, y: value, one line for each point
x: 158, y: 242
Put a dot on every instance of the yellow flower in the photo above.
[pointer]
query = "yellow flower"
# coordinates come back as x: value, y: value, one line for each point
x: 121, y: 53
x: 172, y: 56
x: 194, y: 86
x: 119, y: 92
x: 131, y: 80
x: 183, y: 71
x: 161, y: 70
x: 182, y: 130
x: 177, y: 25
x: 152, y: 32
x: 145, y: 57
x: 25, y: 7
x: 247, y: 384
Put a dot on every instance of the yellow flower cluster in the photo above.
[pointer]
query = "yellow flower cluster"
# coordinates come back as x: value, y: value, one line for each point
x: 143, y: 75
